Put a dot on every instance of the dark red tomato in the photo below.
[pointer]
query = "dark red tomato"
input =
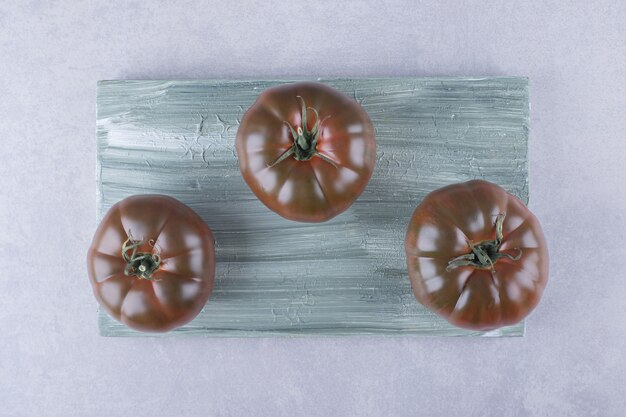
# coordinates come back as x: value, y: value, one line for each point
x: 152, y: 263
x: 309, y: 171
x: 476, y: 255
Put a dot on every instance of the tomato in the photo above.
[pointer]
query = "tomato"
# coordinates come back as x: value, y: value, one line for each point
x: 306, y: 171
x: 476, y: 255
x: 152, y: 263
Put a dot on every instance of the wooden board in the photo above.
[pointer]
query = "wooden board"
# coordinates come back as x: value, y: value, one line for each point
x: 346, y: 276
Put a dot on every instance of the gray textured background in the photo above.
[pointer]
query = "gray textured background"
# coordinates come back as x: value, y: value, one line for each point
x: 52, y: 361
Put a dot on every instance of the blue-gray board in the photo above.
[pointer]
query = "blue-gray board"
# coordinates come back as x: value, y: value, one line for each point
x: 344, y: 277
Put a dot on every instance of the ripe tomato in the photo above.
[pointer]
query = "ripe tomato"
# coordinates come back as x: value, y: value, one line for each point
x: 308, y: 171
x: 476, y: 255
x: 152, y: 263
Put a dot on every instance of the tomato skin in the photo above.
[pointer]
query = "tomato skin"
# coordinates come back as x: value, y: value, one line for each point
x: 468, y: 297
x: 178, y: 289
x: 306, y: 190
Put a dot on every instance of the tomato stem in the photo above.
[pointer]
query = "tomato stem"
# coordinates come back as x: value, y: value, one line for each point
x: 485, y: 254
x: 140, y: 264
x: 304, y: 140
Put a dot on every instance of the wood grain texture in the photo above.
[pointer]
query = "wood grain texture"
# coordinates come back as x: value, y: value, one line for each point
x: 346, y: 276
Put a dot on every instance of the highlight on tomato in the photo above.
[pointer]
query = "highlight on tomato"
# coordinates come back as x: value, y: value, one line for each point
x: 476, y: 255
x: 151, y: 263
x: 306, y: 150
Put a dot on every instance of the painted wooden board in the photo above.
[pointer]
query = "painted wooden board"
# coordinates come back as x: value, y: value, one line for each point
x: 277, y: 277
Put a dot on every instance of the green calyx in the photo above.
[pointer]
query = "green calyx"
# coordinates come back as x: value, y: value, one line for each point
x: 485, y: 254
x: 304, y: 140
x: 139, y: 264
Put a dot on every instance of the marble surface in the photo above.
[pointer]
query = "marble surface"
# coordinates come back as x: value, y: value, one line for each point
x: 572, y: 361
